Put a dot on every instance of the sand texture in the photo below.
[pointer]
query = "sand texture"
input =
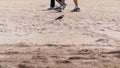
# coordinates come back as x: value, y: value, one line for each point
x: 30, y: 37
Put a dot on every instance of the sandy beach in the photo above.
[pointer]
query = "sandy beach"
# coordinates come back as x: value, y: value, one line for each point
x: 30, y: 37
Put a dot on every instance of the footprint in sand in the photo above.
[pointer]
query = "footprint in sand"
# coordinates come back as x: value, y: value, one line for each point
x: 9, y: 53
x: 85, y: 51
x: 39, y: 57
x: 118, y: 56
x: 112, y: 52
x: 25, y: 66
x: 74, y: 58
x: 102, y: 40
x: 63, y: 61
x: 78, y: 58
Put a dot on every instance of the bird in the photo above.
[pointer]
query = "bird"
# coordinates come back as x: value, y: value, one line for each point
x: 60, y: 17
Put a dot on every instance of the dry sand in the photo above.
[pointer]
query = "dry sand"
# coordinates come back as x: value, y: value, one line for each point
x: 31, y: 38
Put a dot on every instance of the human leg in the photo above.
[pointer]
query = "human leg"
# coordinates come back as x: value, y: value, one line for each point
x: 60, y: 2
x: 52, y: 5
x: 76, y: 2
x: 59, y: 9
x: 76, y: 9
